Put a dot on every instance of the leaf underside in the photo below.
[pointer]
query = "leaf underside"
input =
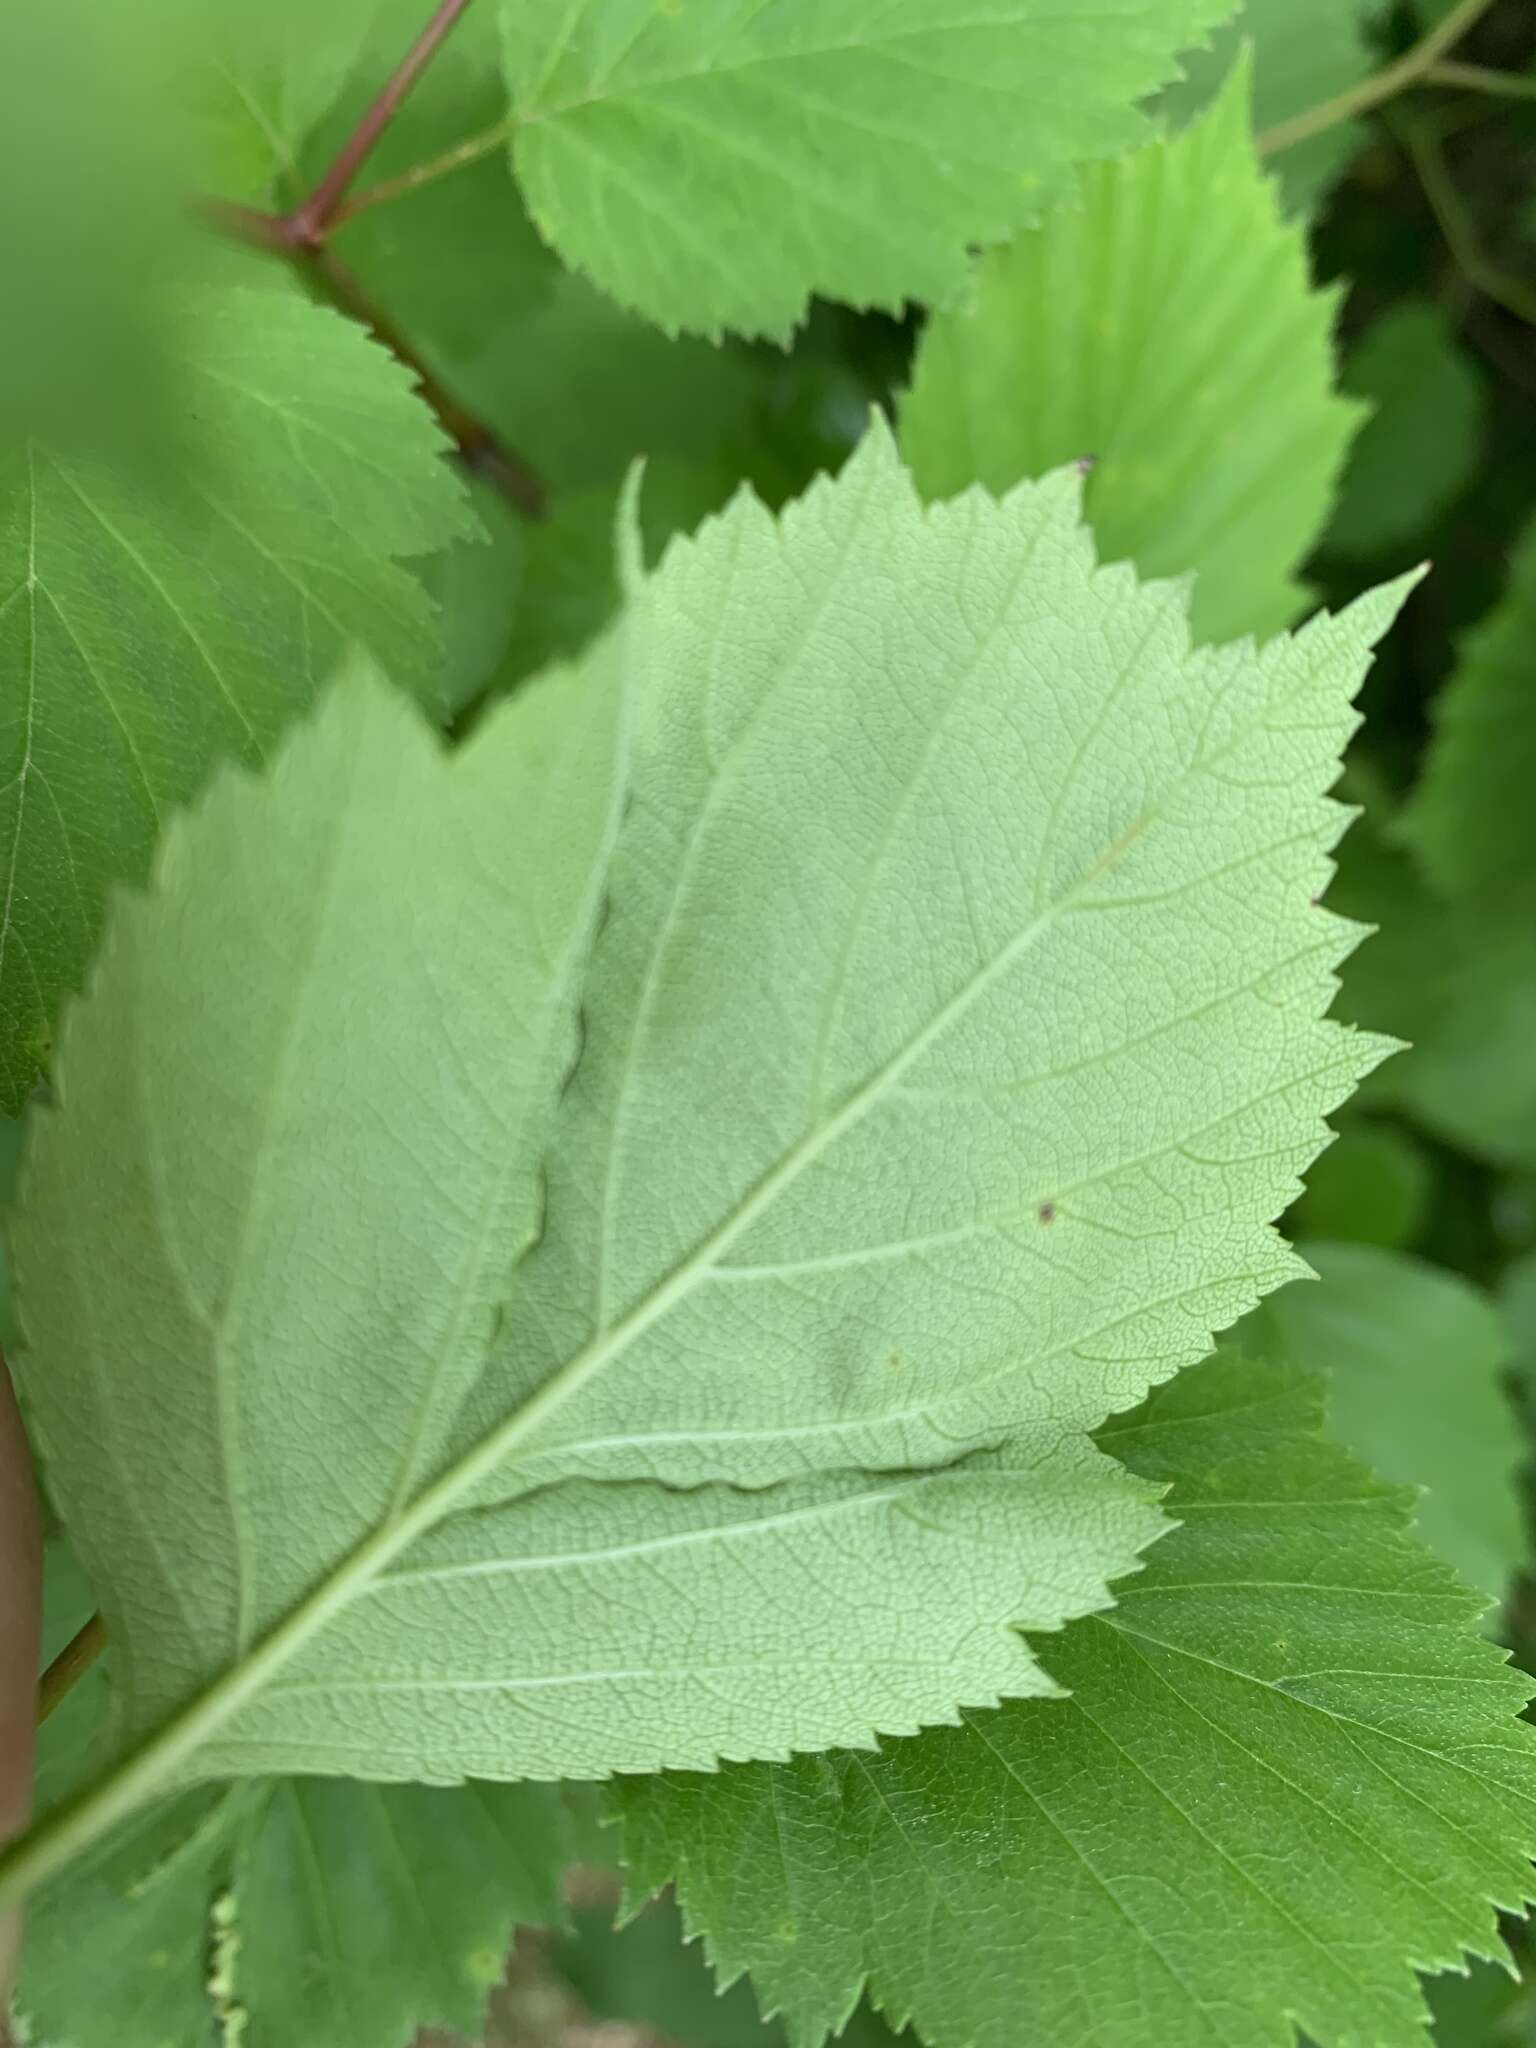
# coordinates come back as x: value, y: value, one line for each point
x: 726, y: 1390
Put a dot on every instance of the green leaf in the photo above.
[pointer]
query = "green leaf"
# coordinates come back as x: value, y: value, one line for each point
x: 580, y: 388
x: 1420, y: 445
x: 367, y: 1911
x: 712, y: 168
x: 1160, y: 324
x: 1289, y: 1770
x: 1372, y: 1186
x: 644, y: 1974
x: 148, y: 628
x: 889, y: 1013
x: 100, y: 227
x: 1457, y: 981
x: 247, y: 84
x: 479, y: 585
x: 1469, y: 819
x: 869, y: 1087
x: 571, y: 588
x: 321, y: 1912
x: 1304, y: 52
x: 1517, y: 1305
x: 1487, y: 2008
x: 1413, y: 1357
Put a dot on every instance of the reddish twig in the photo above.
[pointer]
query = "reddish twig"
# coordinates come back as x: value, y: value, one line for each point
x: 479, y: 449
x: 302, y: 236
x: 247, y: 224
x: 308, y: 223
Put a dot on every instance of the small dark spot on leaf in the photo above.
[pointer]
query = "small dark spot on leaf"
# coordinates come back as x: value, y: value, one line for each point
x: 1087, y: 464
x: 895, y: 1360
x: 1047, y: 1212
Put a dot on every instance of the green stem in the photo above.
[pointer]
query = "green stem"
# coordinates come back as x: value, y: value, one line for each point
x: 1409, y: 69
x: 1510, y: 85
x: 455, y: 159
x: 1512, y: 293
x: 70, y: 1666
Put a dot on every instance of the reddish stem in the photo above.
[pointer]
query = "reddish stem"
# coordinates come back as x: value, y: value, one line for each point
x: 478, y: 447
x: 308, y: 223
x: 302, y: 235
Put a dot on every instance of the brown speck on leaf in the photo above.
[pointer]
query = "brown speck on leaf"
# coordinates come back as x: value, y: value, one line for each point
x: 1087, y: 464
x: 1047, y: 1212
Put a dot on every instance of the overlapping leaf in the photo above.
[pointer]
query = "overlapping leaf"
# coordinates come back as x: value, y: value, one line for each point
x: 1305, y: 52
x: 1289, y: 1771
x: 1457, y: 981
x: 150, y: 625
x: 1469, y: 820
x: 714, y: 167
x: 880, y: 1060
x: 1372, y: 1186
x: 245, y: 85
x: 1413, y: 1358
x: 1420, y: 444
x: 1160, y: 326
x: 644, y: 1974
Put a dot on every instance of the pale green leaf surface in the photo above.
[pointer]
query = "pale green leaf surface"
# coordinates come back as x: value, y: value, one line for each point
x: 1420, y: 445
x: 1469, y: 820
x: 1372, y: 1186
x: 1413, y: 1357
x: 327, y: 1914
x: 924, y: 798
x: 713, y: 167
x: 1160, y: 325
x: 351, y: 947
x: 1304, y: 52
x: 147, y: 629
x: 1290, y: 1770
x: 868, y: 1091
x: 240, y: 1252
